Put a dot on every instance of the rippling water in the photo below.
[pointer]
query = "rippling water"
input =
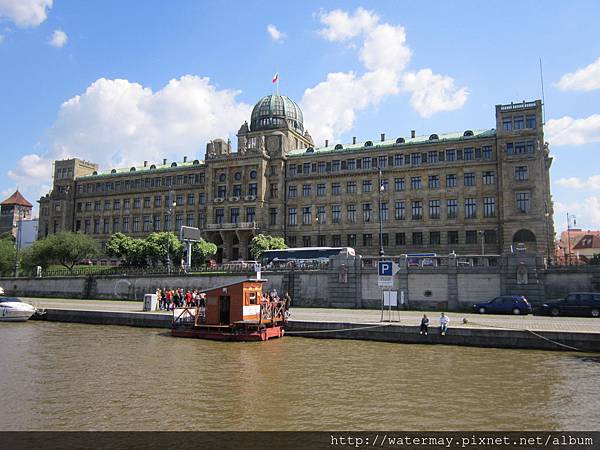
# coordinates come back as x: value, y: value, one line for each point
x: 80, y: 377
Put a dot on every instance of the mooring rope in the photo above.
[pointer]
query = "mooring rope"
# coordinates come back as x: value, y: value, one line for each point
x: 337, y: 329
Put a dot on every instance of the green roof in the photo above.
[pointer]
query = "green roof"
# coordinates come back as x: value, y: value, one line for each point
x: 391, y: 143
x: 151, y: 168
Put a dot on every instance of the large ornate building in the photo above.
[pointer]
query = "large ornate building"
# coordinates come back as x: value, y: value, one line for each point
x: 464, y: 192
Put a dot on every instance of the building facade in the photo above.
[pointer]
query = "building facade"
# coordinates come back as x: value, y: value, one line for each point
x: 14, y: 210
x: 468, y: 192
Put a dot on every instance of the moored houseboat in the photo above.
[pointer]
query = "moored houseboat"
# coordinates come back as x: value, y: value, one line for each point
x: 233, y: 312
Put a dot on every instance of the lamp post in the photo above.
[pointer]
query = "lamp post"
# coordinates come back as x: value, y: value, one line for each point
x: 482, y: 234
x: 569, y: 235
x: 18, y: 239
x: 318, y: 229
x: 381, y: 252
x: 172, y: 205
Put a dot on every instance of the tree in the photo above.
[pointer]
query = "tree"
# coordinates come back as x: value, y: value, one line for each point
x: 264, y: 242
x: 163, y: 246
x: 132, y: 251
x: 65, y: 248
x: 7, y: 254
x: 201, y: 251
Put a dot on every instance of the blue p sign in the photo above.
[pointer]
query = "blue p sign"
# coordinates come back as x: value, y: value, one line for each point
x: 385, y: 268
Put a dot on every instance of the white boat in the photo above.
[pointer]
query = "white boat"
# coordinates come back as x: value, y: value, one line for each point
x: 13, y: 309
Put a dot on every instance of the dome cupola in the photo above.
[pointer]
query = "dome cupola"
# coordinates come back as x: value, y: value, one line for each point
x: 276, y: 111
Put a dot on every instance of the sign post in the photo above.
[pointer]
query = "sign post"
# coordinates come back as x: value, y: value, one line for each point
x: 385, y: 279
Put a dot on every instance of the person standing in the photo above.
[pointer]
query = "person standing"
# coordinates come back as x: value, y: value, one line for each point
x: 424, y: 324
x: 444, y: 321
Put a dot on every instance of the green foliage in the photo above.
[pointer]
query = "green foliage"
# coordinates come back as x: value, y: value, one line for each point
x: 66, y: 249
x: 7, y: 254
x: 201, y: 251
x: 164, y: 245
x: 264, y: 242
x: 132, y: 251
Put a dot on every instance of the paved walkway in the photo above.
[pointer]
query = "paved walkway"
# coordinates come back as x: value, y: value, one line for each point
x: 537, y: 323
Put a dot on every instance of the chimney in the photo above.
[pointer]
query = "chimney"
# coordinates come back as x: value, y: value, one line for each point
x: 326, y: 142
x: 185, y: 159
x: 145, y: 163
x: 164, y: 161
x: 382, y: 137
x: 354, y: 139
x: 413, y: 134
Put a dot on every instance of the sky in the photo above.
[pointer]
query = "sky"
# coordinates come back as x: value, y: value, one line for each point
x: 118, y: 82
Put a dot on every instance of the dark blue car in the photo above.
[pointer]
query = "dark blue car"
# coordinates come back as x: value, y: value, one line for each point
x: 505, y: 304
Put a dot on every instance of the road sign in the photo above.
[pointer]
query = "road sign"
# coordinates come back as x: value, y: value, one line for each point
x: 385, y: 281
x: 387, y: 268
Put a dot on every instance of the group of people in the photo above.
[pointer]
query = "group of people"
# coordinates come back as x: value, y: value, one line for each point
x: 169, y: 299
x: 444, y: 322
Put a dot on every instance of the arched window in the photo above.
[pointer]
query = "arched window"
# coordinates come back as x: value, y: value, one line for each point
x: 222, y: 177
x: 369, y: 144
x: 152, y: 167
x: 132, y: 169
x: 113, y: 171
x: 468, y: 133
x: 173, y: 164
x: 400, y: 140
x: 524, y: 235
x: 310, y: 150
x: 339, y: 147
x: 196, y: 162
x: 433, y: 137
x: 253, y: 174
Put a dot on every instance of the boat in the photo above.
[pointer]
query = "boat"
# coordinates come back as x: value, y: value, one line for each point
x: 233, y: 312
x: 13, y: 309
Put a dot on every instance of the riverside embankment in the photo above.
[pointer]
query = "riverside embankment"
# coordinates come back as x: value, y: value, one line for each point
x: 524, y: 332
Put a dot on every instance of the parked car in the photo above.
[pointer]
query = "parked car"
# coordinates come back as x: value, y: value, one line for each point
x: 574, y: 304
x: 505, y: 304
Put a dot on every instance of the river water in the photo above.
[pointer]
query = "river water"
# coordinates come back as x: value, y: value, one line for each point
x: 57, y: 376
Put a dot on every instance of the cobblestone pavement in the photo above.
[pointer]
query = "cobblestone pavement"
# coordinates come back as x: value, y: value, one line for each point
x: 530, y: 322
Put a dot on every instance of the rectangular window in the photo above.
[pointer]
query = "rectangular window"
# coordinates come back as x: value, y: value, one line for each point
x: 367, y: 186
x: 452, y: 237
x: 189, y: 220
x: 178, y: 222
x: 470, y: 208
x: 335, y: 166
x: 398, y: 184
x: 321, y: 190
x: 146, y: 202
x: 384, y: 239
x: 450, y: 155
x: 321, y: 216
x: 366, y: 162
x: 400, y: 239
x: 156, y: 223
x: 415, y: 159
x: 417, y: 238
x: 434, y: 209
x: 321, y: 167
x: 306, y: 188
x: 105, y: 226
x: 168, y: 222
x: 530, y: 122
x: 398, y: 160
x: 219, y: 215
x: 234, y: 215
x: 292, y: 218
x: 530, y: 146
x: 488, y: 177
x: 115, y: 225
x: 415, y: 183
x: 384, y: 186
x: 400, y: 210
x: 383, y: 215
x: 366, y: 212
x: 523, y: 202
x: 107, y: 205
x: 306, y: 241
x: 293, y: 170
x: 489, y: 206
x: 490, y: 236
x: 272, y: 216
x: 351, y: 164
x: 351, y: 213
x: 521, y: 173
x: 336, y: 213
x: 434, y: 181
x: 97, y: 205
x: 190, y: 199
x: 336, y: 240
x: 291, y: 241
x: 520, y: 148
x: 469, y: 179
x: 252, y: 189
x: 451, y: 180
x: 367, y: 240
x: 157, y: 201
x: 486, y: 152
x: 507, y: 124
x: 469, y: 154
x: 272, y: 190
x: 335, y: 189
x: 432, y: 157
x: 147, y: 223
x: 125, y: 224
x: 250, y: 214
x: 519, y: 122
x: 417, y: 210
x: 452, y: 208
x: 382, y: 162
x: 306, y: 216
x: 292, y: 190
x: 351, y: 239
x: 351, y: 187
x: 471, y: 237
x: 136, y: 224
x: 510, y: 150
x: 435, y: 238
x: 179, y: 199
x: 306, y: 168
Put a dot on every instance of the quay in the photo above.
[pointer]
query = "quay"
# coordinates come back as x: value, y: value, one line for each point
x: 524, y: 332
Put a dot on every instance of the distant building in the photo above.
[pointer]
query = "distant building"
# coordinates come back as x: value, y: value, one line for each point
x: 14, y: 209
x: 465, y: 192
x: 577, y: 246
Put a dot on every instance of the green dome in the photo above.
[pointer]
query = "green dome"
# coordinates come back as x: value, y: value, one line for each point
x: 276, y: 111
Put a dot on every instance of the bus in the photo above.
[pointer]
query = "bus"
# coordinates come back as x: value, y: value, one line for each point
x: 421, y: 260
x: 301, y: 256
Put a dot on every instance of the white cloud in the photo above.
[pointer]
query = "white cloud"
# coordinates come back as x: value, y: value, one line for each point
x: 432, y: 93
x: 331, y: 107
x: 587, y: 212
x: 570, y: 131
x: 118, y: 123
x: 341, y: 26
x: 592, y: 183
x: 275, y: 34
x: 58, y: 39
x: 586, y: 79
x: 25, y: 13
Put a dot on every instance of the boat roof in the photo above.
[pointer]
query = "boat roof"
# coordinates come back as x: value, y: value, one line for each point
x: 249, y: 280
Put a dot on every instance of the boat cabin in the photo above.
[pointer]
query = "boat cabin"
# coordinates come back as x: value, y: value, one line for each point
x: 233, y: 303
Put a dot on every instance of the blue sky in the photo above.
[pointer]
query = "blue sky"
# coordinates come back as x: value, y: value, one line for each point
x: 190, y: 71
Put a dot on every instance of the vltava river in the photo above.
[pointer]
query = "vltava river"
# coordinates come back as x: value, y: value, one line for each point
x: 83, y: 377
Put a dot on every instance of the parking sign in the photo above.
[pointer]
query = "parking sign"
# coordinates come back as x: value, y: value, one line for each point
x: 387, y: 268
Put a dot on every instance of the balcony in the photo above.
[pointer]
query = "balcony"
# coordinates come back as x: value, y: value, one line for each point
x: 232, y: 226
x: 517, y: 106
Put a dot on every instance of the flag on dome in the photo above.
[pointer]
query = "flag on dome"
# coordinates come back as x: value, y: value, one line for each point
x: 276, y: 77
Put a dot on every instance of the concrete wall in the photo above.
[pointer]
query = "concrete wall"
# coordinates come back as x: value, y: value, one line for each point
x: 428, y: 289
x: 560, y: 281
x: 477, y: 287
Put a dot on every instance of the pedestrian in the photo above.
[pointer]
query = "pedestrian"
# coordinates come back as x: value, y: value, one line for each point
x: 188, y: 298
x: 158, y: 299
x: 163, y: 298
x: 444, y: 321
x: 424, y: 324
x: 169, y: 299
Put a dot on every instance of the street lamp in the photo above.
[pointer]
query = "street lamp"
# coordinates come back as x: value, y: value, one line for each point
x: 318, y: 229
x: 482, y: 234
x: 172, y: 204
x: 381, y: 252
x: 18, y: 238
x: 569, y: 234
